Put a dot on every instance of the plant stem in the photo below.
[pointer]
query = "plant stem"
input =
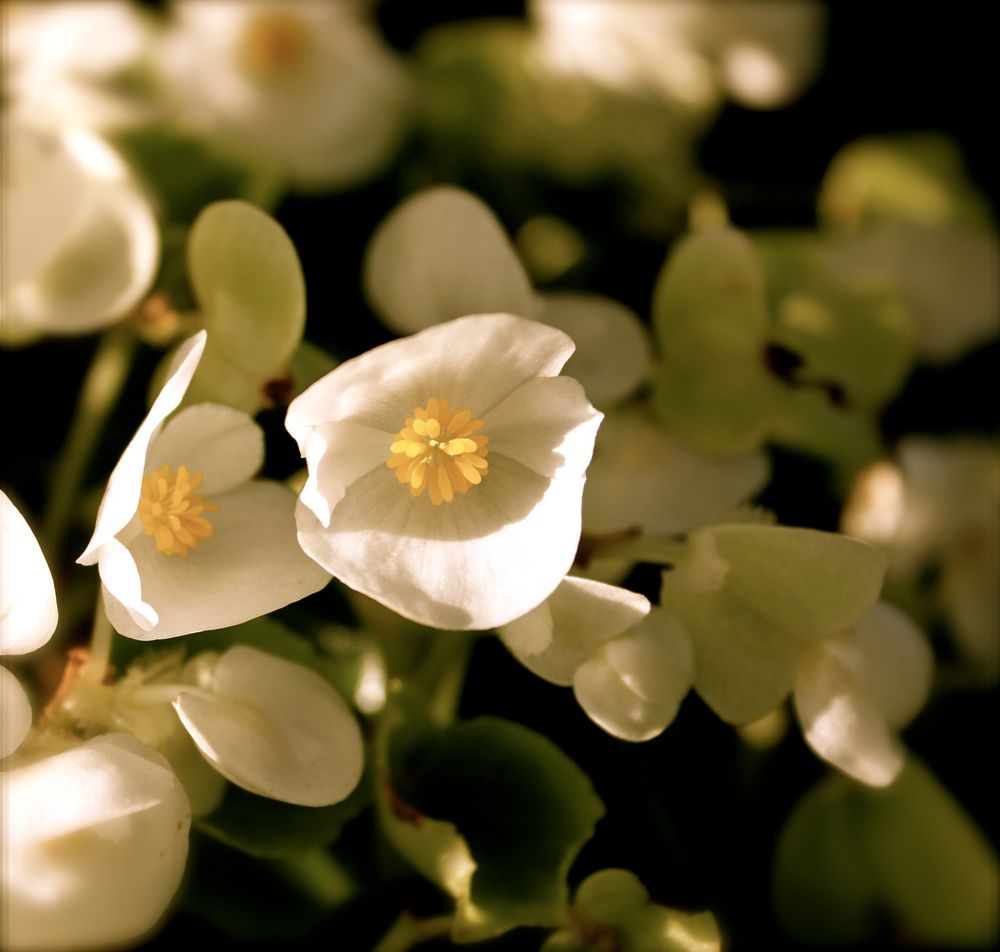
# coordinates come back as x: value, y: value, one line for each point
x: 407, y: 932
x: 100, y: 645
x: 99, y: 393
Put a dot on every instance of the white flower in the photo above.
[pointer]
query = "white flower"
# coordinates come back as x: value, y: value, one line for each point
x: 936, y: 509
x: 446, y: 470
x: 442, y: 254
x: 95, y: 840
x: 28, y: 615
x: 81, y: 244
x: 762, y: 54
x: 855, y: 690
x: 630, y: 664
x: 305, y: 88
x: 61, y: 57
x: 274, y: 728
x: 185, y: 539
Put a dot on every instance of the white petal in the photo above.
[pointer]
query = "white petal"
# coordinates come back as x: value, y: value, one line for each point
x: 250, y: 566
x: 123, y: 594
x: 487, y: 557
x: 473, y: 362
x: 439, y: 255
x: 96, y: 838
x: 15, y: 713
x: 613, y: 352
x: 222, y: 444
x: 275, y: 728
x: 337, y: 454
x: 45, y: 194
x: 546, y: 424
x: 841, y: 721
x: 554, y: 639
x: 121, y: 498
x: 642, y: 477
x: 28, y: 612
x: 896, y: 662
x: 635, y: 684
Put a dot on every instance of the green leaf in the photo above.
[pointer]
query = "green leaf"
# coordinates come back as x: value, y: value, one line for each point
x: 491, y: 811
x: 937, y: 872
x: 710, y: 318
x: 920, y: 178
x: 754, y: 597
x: 257, y: 899
x: 823, y: 885
x: 181, y: 171
x: 273, y: 829
x: 851, y: 856
x: 248, y: 282
x: 612, y: 910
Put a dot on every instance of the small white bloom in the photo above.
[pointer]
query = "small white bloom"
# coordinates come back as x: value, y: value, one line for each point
x: 60, y: 59
x: 274, y: 728
x: 446, y: 470
x: 81, y: 244
x: 28, y: 616
x: 95, y: 840
x: 175, y: 561
x: 855, y: 690
x: 306, y: 88
x: 630, y: 664
x: 936, y: 508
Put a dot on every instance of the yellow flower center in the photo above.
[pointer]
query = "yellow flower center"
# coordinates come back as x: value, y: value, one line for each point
x: 436, y: 451
x: 273, y: 44
x: 171, y: 511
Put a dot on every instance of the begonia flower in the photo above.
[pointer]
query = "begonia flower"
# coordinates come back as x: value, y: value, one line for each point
x: 95, y: 841
x: 446, y: 470
x: 442, y: 254
x: 306, y: 89
x: 28, y: 615
x: 630, y: 664
x: 81, y: 244
x: 853, y: 691
x: 186, y: 540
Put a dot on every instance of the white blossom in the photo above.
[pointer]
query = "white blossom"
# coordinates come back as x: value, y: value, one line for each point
x: 186, y: 540
x: 446, y: 470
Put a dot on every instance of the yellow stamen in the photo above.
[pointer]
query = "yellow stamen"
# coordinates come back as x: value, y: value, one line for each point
x: 437, y: 450
x: 171, y: 511
x: 273, y: 45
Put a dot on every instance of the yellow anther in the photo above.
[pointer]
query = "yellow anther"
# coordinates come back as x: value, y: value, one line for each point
x: 171, y: 511
x: 437, y: 450
x: 274, y: 44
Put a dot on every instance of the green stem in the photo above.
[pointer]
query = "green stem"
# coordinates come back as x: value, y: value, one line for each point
x: 101, y: 388
x: 442, y: 673
x: 659, y: 551
x: 100, y: 645
x: 407, y: 932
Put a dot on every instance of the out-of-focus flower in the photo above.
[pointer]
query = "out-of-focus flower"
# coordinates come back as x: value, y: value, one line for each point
x: 62, y: 59
x: 305, y: 88
x: 446, y: 470
x: 28, y: 615
x: 174, y: 561
x: 761, y: 54
x: 442, y: 254
x: 935, y: 512
x: 853, y: 691
x: 630, y: 664
x: 81, y: 244
x: 95, y: 841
